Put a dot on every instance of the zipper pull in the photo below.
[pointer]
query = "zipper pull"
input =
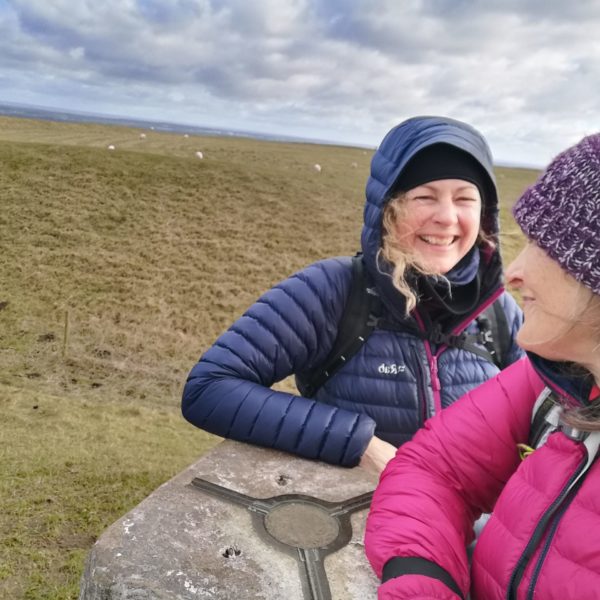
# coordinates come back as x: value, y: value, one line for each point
x: 435, y: 380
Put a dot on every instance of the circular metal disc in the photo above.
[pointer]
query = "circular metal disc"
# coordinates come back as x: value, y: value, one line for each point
x: 301, y: 525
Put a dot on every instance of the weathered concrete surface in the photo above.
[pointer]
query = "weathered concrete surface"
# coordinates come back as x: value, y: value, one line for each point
x: 184, y: 543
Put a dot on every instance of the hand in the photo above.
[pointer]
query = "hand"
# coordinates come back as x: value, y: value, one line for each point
x: 377, y: 455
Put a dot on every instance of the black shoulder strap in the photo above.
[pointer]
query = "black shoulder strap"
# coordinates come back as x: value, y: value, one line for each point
x: 545, y: 418
x: 494, y: 334
x: 500, y: 333
x: 356, y: 324
x: 464, y: 341
x: 361, y: 315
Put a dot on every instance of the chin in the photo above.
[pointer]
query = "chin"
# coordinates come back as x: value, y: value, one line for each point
x: 546, y: 347
x: 438, y: 268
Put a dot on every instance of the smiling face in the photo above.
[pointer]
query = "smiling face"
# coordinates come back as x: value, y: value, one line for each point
x: 560, y: 314
x: 440, y: 223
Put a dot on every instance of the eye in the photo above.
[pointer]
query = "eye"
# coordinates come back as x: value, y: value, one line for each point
x: 423, y: 198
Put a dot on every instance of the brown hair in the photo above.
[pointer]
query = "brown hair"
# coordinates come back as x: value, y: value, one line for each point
x: 587, y: 418
x: 584, y: 419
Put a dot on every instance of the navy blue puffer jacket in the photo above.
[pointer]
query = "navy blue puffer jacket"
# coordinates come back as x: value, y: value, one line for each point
x: 395, y: 382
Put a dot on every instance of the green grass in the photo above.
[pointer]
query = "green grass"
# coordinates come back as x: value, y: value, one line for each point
x: 117, y: 270
x: 73, y: 467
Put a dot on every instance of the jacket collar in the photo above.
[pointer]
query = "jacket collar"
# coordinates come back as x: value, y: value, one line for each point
x: 571, y: 382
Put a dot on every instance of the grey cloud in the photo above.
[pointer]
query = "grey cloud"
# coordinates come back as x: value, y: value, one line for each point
x: 327, y: 65
x: 171, y: 15
x: 116, y: 43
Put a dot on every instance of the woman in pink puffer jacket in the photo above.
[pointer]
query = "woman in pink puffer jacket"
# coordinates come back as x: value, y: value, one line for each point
x: 543, y: 539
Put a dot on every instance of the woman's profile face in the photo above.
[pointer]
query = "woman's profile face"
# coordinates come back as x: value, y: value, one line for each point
x: 440, y: 222
x: 555, y: 307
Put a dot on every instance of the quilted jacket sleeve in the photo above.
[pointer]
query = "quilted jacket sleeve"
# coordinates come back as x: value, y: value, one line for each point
x: 453, y: 470
x: 289, y: 329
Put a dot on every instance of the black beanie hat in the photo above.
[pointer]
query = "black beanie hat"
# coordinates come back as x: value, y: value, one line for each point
x: 442, y: 161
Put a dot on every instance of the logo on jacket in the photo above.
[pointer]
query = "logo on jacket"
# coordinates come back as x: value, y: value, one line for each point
x: 391, y: 369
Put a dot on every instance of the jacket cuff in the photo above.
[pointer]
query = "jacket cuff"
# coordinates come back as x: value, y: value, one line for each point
x: 413, y: 565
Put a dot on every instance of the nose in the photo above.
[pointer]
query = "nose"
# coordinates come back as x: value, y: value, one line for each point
x: 514, y: 271
x: 446, y: 213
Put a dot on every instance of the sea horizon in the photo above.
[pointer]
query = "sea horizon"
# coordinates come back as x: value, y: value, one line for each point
x: 45, y: 113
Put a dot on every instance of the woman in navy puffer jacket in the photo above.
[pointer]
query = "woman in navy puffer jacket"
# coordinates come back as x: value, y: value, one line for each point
x: 429, y: 246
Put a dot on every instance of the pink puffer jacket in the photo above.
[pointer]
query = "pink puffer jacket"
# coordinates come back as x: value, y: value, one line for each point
x: 465, y: 461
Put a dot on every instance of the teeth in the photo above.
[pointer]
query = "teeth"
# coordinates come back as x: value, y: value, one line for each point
x: 437, y: 241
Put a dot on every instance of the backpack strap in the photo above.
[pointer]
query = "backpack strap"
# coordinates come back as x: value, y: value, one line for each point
x: 362, y: 314
x: 545, y: 418
x: 464, y: 341
x: 473, y: 342
x: 358, y: 320
x: 494, y: 335
x: 501, y: 334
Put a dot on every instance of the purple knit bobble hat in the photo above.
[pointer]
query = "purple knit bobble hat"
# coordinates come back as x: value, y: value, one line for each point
x: 561, y: 211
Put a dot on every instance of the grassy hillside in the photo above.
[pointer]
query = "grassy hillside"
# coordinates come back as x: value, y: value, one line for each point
x: 117, y: 269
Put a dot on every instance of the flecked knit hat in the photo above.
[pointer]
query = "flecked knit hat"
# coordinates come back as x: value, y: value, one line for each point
x: 561, y: 211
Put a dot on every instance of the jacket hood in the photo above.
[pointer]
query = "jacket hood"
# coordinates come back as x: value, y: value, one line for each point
x: 392, y: 156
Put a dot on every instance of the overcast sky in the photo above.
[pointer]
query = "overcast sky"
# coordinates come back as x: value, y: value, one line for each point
x: 524, y: 72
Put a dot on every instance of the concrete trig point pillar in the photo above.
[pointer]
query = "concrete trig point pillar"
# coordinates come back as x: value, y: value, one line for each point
x: 241, y: 523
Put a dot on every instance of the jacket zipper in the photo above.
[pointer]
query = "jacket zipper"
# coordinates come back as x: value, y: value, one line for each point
x: 433, y: 368
x: 435, y: 382
x: 538, y: 533
x: 421, y: 391
x: 436, y: 386
x: 555, y: 523
x: 432, y: 358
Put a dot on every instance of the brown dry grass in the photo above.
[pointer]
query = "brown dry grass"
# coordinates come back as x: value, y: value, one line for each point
x: 153, y: 255
x: 147, y: 254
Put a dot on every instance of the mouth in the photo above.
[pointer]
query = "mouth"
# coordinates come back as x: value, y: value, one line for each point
x: 439, y: 240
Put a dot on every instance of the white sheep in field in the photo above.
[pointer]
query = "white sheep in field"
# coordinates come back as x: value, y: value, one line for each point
x: 111, y: 147
x: 317, y: 168
x: 185, y: 135
x: 142, y: 136
x: 199, y: 154
x: 354, y: 165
